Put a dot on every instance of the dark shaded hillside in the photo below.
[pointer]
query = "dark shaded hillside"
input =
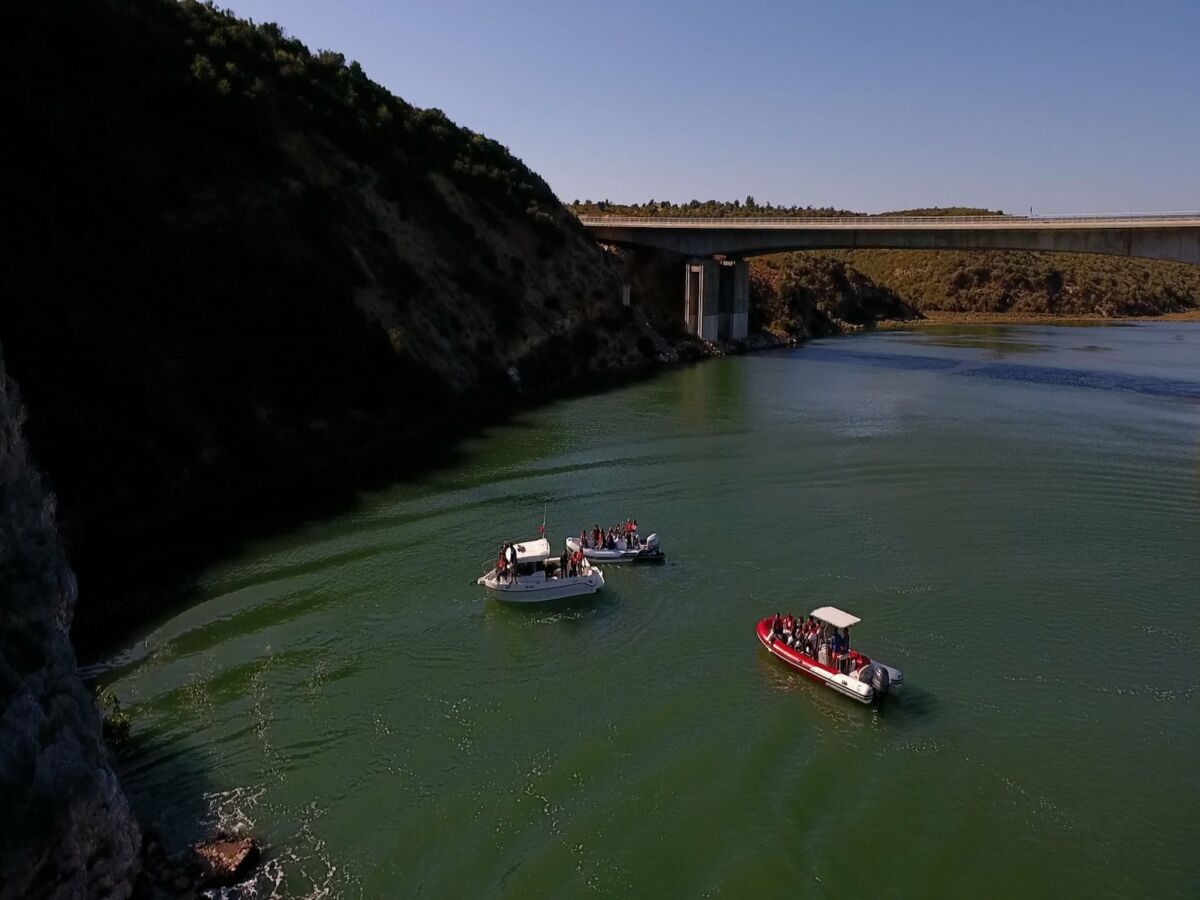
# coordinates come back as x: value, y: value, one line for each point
x: 799, y: 295
x: 233, y: 263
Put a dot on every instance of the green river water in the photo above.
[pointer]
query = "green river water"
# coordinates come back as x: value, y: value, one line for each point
x: 1014, y: 512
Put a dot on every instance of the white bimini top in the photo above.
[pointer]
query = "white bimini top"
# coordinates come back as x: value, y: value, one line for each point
x: 836, y: 617
x: 533, y: 551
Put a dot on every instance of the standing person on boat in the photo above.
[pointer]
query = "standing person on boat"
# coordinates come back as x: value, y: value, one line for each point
x: 775, y: 626
x: 563, y: 562
x: 510, y: 556
x: 583, y: 539
x: 576, y: 561
x: 501, y: 563
x: 597, y: 537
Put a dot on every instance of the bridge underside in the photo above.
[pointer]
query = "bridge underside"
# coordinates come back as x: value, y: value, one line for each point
x: 717, y: 292
x: 1171, y: 243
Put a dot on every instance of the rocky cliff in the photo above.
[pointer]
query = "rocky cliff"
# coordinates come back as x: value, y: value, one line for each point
x: 66, y: 829
x: 237, y: 268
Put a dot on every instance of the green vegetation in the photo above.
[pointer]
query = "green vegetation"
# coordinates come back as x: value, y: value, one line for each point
x: 713, y: 209
x: 1031, y: 283
x: 748, y: 208
x: 798, y: 295
x: 115, y: 721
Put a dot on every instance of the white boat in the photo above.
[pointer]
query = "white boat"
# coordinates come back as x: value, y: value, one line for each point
x: 845, y: 670
x: 643, y: 551
x: 539, y: 577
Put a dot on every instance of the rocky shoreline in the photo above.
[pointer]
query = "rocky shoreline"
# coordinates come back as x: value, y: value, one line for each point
x: 67, y: 829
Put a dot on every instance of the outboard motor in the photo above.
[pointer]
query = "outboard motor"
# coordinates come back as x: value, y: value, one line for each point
x: 877, y: 677
x: 652, y: 542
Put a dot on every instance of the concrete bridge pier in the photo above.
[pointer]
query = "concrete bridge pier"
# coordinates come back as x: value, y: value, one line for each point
x: 716, y: 299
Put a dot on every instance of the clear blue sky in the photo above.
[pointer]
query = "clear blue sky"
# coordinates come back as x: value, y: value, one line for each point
x: 1066, y: 106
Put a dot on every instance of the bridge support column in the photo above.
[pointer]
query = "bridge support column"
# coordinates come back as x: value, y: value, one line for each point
x: 716, y: 299
x: 739, y: 317
x: 701, y: 298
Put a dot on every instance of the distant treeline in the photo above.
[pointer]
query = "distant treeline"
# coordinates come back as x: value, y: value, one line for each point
x: 749, y: 208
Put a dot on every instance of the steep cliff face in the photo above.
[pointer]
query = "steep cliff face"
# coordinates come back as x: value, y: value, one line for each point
x: 238, y: 266
x: 66, y: 828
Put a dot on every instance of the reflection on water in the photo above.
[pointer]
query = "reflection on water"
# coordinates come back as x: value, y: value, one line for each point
x: 1021, y: 541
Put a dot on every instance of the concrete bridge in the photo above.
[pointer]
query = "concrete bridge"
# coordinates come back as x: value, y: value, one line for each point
x: 717, y: 284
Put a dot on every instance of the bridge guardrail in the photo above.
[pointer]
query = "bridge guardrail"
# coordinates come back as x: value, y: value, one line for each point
x: 866, y: 221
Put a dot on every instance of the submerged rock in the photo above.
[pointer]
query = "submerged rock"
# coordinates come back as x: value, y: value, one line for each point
x: 66, y: 828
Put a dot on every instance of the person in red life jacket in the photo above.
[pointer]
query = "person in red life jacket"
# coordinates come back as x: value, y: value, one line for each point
x: 501, y: 563
x: 597, y: 537
x: 789, y: 630
x: 576, y: 562
x: 583, y: 539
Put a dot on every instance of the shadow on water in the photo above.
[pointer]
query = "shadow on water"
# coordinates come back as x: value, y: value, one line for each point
x: 144, y: 570
x: 909, y: 702
x: 1051, y: 376
x: 178, y: 804
x: 570, y: 611
x: 178, y: 818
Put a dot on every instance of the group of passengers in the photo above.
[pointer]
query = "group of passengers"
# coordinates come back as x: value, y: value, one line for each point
x: 571, y: 564
x: 506, y: 563
x: 810, y: 637
x: 618, y: 537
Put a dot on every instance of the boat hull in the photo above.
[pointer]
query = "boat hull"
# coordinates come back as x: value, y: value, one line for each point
x: 649, y: 554
x: 532, y: 590
x: 845, y: 685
